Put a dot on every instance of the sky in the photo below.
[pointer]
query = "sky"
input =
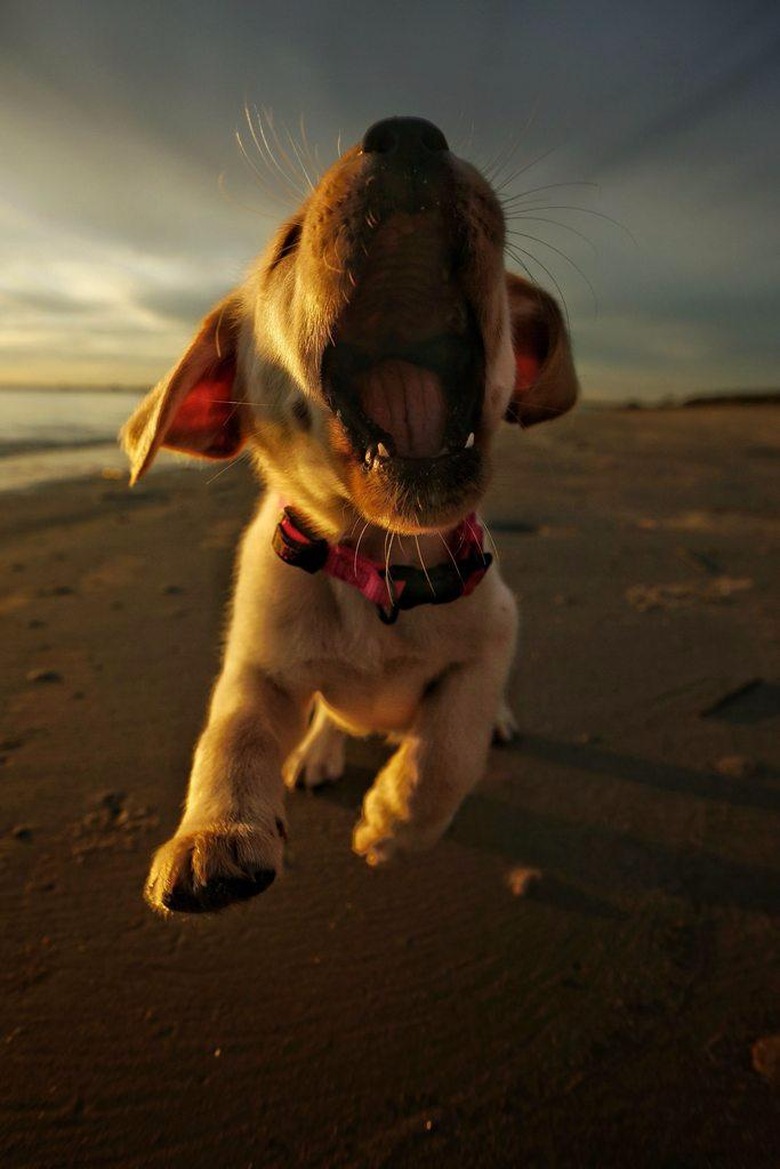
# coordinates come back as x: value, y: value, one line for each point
x: 638, y: 145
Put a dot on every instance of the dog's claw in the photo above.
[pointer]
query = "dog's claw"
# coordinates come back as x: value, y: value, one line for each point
x: 505, y: 727
x: 373, y: 846
x: 206, y: 871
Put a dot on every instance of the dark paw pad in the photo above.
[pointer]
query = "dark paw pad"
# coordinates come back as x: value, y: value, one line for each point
x: 217, y: 893
x: 205, y: 871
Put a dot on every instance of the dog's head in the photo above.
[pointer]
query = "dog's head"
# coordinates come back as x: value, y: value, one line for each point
x: 375, y: 347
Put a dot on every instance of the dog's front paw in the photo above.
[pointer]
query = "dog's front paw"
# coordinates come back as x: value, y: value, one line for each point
x: 205, y: 870
x: 370, y: 841
x: 381, y: 831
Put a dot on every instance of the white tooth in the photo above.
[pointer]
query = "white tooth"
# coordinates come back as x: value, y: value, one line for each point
x: 382, y: 451
x: 369, y: 457
x: 470, y: 441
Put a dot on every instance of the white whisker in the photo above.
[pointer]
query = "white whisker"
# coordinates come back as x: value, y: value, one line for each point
x: 513, y: 250
x: 537, y: 240
x: 449, y: 553
x: 231, y: 463
x: 299, y: 158
x: 474, y: 538
x: 490, y: 537
x: 499, y: 187
x: 424, y: 567
x: 554, y: 223
x: 289, y: 179
x: 510, y: 199
x: 389, y: 537
x: 505, y: 155
x: 357, y: 546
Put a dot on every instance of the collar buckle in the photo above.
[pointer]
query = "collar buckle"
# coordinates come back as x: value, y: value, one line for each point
x: 292, y: 544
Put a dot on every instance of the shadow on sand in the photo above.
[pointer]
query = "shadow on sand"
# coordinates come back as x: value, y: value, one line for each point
x: 583, y: 863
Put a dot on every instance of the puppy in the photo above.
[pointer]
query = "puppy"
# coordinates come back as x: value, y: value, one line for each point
x: 365, y: 363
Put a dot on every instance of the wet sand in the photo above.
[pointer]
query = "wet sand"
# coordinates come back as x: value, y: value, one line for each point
x: 585, y: 972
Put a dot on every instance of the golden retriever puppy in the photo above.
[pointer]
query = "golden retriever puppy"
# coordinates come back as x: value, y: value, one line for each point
x: 366, y: 363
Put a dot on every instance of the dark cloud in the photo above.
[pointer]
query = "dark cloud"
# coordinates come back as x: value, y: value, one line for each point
x: 183, y: 306
x: 47, y: 303
x: 705, y: 104
x: 119, y: 120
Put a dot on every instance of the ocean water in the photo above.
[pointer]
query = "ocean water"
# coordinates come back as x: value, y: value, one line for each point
x: 49, y: 435
x: 40, y: 420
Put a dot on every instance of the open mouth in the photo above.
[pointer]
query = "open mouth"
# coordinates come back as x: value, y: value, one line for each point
x: 405, y: 372
x: 409, y: 403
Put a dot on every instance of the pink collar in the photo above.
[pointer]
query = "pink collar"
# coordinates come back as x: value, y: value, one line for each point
x: 390, y: 589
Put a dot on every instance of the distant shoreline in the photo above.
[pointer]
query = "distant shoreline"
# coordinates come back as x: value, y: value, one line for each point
x: 25, y: 447
x: 727, y: 398
x: 13, y: 388
x: 768, y: 397
x: 754, y: 397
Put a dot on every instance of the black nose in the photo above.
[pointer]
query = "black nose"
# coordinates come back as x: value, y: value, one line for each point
x: 408, y: 138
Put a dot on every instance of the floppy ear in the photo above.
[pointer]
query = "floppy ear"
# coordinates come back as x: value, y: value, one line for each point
x: 196, y: 408
x: 545, y: 382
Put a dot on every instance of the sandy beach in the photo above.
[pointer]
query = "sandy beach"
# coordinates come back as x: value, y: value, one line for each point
x: 585, y: 972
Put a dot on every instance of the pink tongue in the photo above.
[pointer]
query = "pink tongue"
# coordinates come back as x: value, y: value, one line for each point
x: 408, y: 403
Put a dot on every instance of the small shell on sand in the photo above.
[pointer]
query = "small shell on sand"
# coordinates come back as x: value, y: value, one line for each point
x: 766, y: 1058
x: 44, y: 675
x: 519, y: 880
x: 736, y: 767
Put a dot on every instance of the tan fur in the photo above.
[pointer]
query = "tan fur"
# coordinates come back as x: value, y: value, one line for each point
x: 307, y: 658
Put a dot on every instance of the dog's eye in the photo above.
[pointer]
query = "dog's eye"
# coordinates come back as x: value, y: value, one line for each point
x: 289, y: 243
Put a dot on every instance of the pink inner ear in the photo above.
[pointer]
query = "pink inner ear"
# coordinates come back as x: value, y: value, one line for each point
x: 208, y: 421
x: 527, y: 367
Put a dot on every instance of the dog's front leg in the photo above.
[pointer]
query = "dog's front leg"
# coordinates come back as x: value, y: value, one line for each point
x: 442, y: 757
x: 230, y: 842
